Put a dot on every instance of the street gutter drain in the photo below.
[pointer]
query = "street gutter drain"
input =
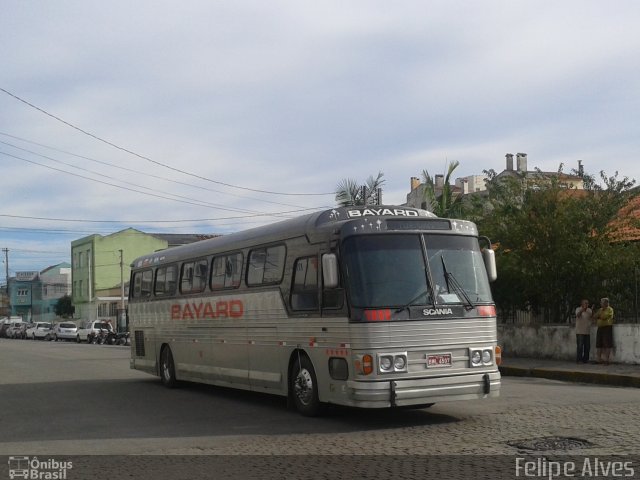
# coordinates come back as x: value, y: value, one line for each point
x: 550, y: 443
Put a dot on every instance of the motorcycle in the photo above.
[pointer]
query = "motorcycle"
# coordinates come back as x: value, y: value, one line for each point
x: 117, y: 338
x: 122, y: 338
x: 99, y: 337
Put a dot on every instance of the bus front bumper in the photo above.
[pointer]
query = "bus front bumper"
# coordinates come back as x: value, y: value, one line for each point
x: 422, y: 391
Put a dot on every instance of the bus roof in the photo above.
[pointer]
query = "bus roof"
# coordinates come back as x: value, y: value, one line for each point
x: 317, y: 227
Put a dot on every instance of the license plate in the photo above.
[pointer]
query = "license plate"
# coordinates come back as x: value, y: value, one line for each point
x: 439, y: 360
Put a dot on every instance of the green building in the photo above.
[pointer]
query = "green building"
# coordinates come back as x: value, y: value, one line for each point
x: 100, y: 272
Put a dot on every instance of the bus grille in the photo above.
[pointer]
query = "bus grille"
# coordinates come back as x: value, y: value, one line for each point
x: 139, y: 339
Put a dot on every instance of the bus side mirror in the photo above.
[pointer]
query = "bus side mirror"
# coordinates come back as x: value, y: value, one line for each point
x: 489, y: 257
x: 330, y: 270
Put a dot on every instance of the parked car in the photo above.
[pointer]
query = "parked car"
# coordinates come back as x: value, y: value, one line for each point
x: 23, y: 330
x: 14, y: 330
x: 89, y: 329
x: 39, y: 330
x: 63, y: 331
x: 6, y: 322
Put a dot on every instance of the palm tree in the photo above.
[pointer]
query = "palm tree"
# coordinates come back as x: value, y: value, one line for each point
x: 443, y: 203
x: 350, y: 193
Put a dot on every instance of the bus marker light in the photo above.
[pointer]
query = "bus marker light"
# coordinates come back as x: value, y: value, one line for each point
x: 498, y: 351
x: 487, y: 311
x: 367, y: 364
x: 379, y: 315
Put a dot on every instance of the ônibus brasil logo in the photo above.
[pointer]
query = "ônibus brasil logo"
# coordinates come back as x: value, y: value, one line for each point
x: 437, y: 311
x: 34, y: 469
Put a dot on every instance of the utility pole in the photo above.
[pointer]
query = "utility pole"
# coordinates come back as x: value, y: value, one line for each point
x: 6, y: 265
x: 121, y: 317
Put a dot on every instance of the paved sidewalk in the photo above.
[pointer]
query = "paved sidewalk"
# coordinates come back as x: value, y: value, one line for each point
x: 624, y: 375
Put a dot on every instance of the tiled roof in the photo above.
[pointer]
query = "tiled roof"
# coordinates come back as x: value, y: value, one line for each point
x: 175, y: 239
x: 627, y: 223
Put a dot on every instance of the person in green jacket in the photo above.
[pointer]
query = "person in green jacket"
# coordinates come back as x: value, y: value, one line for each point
x: 604, y: 334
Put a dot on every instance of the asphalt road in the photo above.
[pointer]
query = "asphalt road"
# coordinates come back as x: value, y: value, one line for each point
x: 69, y: 399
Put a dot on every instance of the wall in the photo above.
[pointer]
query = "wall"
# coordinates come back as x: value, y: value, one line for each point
x: 559, y: 342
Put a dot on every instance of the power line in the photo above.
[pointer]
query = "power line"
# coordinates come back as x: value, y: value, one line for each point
x: 201, y: 204
x: 116, y: 179
x: 146, y: 174
x: 134, y: 222
x: 155, y: 161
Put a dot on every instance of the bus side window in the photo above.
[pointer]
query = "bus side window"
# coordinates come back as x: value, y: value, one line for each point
x: 137, y: 284
x: 304, y: 291
x: 194, y: 276
x: 165, y: 281
x: 186, y: 280
x: 233, y: 270
x: 160, y: 284
x: 200, y: 276
x: 226, y: 271
x: 172, y: 276
x: 147, y: 280
x: 217, y: 273
x: 266, y: 265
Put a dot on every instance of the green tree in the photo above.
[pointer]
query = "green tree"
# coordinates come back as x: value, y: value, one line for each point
x: 350, y: 193
x: 443, y: 203
x: 556, y: 244
x: 64, y: 307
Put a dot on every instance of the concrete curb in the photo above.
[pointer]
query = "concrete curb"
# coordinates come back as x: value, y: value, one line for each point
x: 615, y: 379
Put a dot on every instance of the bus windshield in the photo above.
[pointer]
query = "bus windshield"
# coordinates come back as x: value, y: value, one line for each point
x: 391, y: 270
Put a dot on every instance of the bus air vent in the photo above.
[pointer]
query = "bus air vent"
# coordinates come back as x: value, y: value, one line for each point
x: 139, y: 339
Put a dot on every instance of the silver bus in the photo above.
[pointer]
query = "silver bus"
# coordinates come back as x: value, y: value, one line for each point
x: 370, y: 307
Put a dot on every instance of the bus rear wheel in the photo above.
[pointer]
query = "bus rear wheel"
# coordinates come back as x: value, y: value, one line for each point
x: 167, y: 368
x: 303, y: 387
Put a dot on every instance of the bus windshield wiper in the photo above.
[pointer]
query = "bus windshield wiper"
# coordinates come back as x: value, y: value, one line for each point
x: 453, y: 284
x: 411, y: 302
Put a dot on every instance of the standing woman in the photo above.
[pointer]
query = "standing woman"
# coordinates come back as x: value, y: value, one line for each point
x: 604, y: 334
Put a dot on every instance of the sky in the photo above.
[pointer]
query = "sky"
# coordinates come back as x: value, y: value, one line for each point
x: 212, y: 117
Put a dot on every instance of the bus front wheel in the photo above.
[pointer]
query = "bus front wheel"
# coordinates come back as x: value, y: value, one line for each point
x: 167, y: 368
x: 303, y: 387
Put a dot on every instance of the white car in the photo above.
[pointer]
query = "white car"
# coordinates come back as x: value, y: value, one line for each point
x: 14, y: 330
x: 63, y: 331
x: 88, y: 329
x: 39, y: 330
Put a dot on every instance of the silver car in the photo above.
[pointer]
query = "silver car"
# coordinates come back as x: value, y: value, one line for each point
x: 63, y: 331
x: 39, y: 330
x: 14, y: 330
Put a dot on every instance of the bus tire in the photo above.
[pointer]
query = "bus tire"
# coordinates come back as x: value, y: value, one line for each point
x: 303, y: 387
x: 167, y: 368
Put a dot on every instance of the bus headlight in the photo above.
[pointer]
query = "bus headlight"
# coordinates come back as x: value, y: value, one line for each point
x: 476, y: 358
x: 481, y: 357
x: 486, y: 356
x: 386, y: 363
x: 392, y: 362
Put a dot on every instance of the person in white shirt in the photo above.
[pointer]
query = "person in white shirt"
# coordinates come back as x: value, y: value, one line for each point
x: 584, y: 320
